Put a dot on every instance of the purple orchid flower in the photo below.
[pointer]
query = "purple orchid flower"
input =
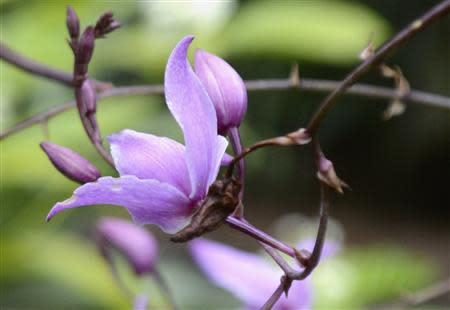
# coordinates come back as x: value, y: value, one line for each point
x: 162, y: 181
x: 134, y: 242
x: 249, y: 277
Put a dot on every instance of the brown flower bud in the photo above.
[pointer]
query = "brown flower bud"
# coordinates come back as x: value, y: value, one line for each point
x: 327, y: 175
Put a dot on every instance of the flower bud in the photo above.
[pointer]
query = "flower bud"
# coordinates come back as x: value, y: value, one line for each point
x: 70, y: 163
x: 225, y: 88
x: 87, y: 97
x: 73, y: 23
x: 105, y: 24
x: 135, y: 243
x: 85, y: 50
x: 327, y: 175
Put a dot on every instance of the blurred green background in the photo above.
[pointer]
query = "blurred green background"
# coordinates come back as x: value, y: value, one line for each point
x: 393, y: 224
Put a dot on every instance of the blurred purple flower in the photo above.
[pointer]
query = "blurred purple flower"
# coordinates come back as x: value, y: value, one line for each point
x: 161, y: 181
x: 135, y: 243
x: 249, y: 277
x: 225, y: 87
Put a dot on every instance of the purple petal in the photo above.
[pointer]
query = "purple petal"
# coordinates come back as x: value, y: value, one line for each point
x: 150, y: 157
x: 134, y: 242
x: 247, y: 276
x: 225, y: 88
x: 194, y: 112
x: 226, y: 159
x: 148, y: 201
x: 140, y: 302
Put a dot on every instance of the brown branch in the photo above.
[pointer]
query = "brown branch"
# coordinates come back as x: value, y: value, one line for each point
x: 385, y: 51
x: 313, y: 85
x: 245, y: 227
x: 33, y: 67
x: 23, y: 63
x: 282, y: 287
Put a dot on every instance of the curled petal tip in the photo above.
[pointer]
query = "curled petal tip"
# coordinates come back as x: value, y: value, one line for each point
x: 50, y: 215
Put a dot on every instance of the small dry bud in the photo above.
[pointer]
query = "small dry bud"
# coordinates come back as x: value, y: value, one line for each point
x: 327, y: 175
x: 300, y: 136
x: 368, y: 51
x: 302, y: 257
x: 396, y: 107
x: 105, y: 24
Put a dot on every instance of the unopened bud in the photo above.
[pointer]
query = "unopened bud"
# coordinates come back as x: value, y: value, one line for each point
x: 327, y: 174
x: 70, y: 163
x: 87, y: 98
x: 135, y: 243
x: 225, y: 88
x: 73, y: 23
x: 85, y: 50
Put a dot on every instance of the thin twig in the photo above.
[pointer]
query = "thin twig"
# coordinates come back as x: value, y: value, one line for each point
x: 370, y: 91
x: 58, y: 109
x: 420, y: 297
x: 385, y: 51
x: 308, y: 261
x: 248, y: 229
x: 34, y: 67
x: 38, y: 69
x: 283, y: 287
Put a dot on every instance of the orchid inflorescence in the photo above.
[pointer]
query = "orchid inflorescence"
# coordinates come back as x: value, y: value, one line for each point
x: 176, y: 186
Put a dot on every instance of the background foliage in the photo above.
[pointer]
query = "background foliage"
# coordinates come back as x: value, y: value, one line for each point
x: 394, y: 221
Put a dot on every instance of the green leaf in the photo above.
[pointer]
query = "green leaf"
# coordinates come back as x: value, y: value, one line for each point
x: 332, y: 32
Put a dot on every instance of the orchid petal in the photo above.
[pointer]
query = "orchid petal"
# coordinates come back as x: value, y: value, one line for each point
x: 148, y: 201
x: 193, y: 110
x: 136, y: 243
x: 226, y: 159
x: 247, y: 276
x: 150, y: 157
